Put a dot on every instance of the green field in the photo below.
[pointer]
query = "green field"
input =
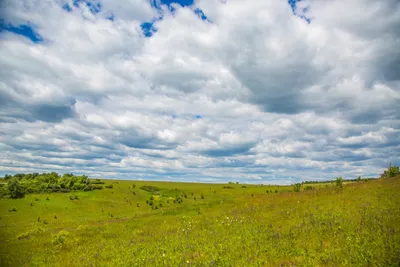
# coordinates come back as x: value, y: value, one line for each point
x: 193, y: 224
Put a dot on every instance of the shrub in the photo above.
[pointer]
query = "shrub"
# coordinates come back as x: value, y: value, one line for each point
x: 23, y: 235
x: 276, y: 191
x: 296, y: 187
x: 47, y: 198
x: 13, y: 209
x: 178, y: 199
x: 150, y: 188
x: 88, y: 188
x: 110, y: 186
x: 60, y: 238
x: 308, y: 187
x: 27, y: 234
x: 339, y: 182
x: 38, y: 230
x: 243, y: 186
x: 97, y: 187
x: 15, y: 189
x: 392, y: 171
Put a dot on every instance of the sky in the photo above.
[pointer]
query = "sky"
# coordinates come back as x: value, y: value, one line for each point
x: 261, y: 91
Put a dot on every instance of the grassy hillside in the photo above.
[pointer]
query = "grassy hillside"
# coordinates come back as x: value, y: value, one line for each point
x: 189, y: 224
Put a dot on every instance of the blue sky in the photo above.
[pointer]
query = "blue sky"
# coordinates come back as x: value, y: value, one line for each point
x: 210, y: 90
x: 95, y: 7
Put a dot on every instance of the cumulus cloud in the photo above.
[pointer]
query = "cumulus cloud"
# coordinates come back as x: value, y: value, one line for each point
x: 253, y: 92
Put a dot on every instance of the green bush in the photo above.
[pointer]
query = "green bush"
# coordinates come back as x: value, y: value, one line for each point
x: 15, y: 189
x: 96, y: 181
x: 21, y: 184
x: 297, y: 187
x: 392, y: 171
x: 23, y: 235
x: 110, y: 186
x: 13, y: 209
x: 60, y: 238
x: 97, y: 187
x: 339, y: 182
x: 178, y: 199
x: 150, y: 188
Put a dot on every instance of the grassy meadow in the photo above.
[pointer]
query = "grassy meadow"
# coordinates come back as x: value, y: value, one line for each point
x: 138, y: 223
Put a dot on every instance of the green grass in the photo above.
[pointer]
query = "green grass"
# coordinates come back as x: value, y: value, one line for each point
x: 356, y: 226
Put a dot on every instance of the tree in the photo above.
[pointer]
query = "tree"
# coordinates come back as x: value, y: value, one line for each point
x: 339, y: 182
x: 16, y: 189
x: 296, y: 187
x: 392, y: 171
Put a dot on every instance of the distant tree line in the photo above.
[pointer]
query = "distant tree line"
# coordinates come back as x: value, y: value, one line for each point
x: 334, y: 181
x: 391, y: 171
x: 18, y: 185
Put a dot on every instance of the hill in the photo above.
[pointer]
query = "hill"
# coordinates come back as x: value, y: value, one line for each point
x: 137, y: 223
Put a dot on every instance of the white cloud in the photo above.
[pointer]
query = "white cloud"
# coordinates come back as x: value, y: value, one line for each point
x: 254, y: 93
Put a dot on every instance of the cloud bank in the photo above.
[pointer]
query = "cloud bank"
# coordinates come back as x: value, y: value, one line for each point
x: 207, y: 90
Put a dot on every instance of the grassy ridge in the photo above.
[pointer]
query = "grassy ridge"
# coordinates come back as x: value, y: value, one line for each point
x: 356, y: 226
